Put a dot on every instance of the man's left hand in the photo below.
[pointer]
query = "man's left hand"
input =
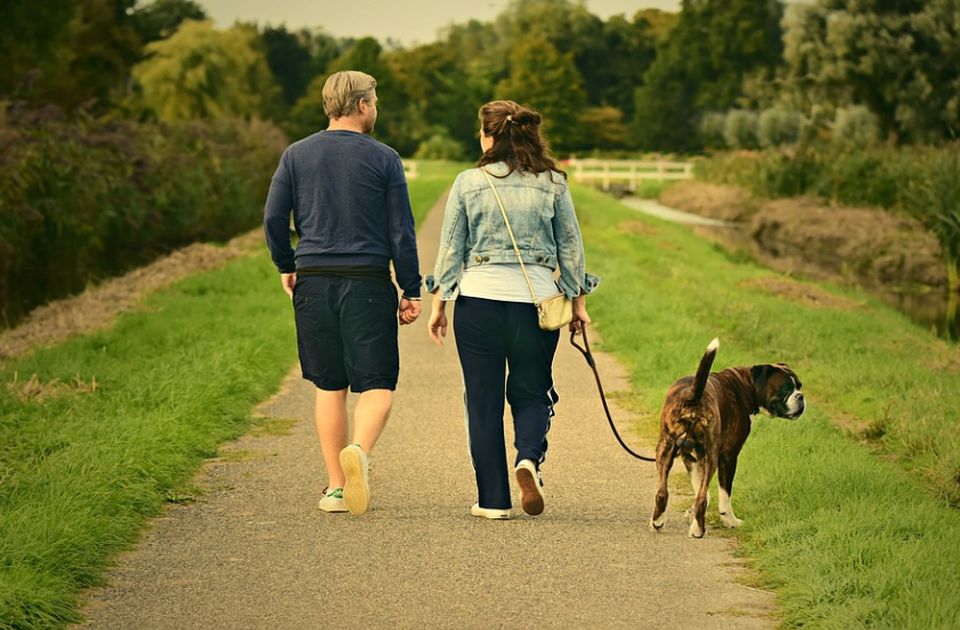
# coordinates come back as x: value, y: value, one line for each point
x: 288, y: 280
x: 409, y: 311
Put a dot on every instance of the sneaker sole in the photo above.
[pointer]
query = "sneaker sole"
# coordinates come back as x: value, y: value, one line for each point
x: 356, y: 493
x: 531, y: 500
x: 491, y: 516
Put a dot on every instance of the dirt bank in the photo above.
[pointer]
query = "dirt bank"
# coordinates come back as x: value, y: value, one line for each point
x: 98, y: 306
x: 869, y: 246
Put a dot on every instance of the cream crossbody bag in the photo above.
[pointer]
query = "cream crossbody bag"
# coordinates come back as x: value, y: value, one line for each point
x: 553, y: 312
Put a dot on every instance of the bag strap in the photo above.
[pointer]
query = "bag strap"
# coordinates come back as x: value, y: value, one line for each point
x: 510, y: 231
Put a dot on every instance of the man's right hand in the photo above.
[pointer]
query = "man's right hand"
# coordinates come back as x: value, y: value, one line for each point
x: 409, y: 311
x: 287, y: 280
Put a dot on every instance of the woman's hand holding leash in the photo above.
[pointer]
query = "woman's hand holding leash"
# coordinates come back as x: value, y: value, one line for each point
x: 580, y: 317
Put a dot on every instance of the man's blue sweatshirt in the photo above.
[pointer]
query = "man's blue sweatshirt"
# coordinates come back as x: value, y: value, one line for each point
x: 350, y: 208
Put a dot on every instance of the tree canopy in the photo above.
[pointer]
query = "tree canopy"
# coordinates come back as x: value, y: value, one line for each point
x: 201, y: 72
x: 899, y: 59
x: 651, y: 81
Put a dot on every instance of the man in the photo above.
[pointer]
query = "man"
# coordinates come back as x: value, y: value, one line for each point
x: 352, y: 215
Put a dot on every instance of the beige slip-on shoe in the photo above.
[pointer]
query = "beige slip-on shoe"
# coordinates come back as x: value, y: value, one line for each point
x: 356, y: 490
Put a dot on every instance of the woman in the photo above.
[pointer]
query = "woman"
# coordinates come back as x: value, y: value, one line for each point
x: 496, y: 324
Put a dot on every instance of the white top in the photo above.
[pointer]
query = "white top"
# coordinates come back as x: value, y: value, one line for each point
x: 505, y: 282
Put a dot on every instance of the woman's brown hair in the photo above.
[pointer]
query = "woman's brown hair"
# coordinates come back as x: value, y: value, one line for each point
x: 517, y: 138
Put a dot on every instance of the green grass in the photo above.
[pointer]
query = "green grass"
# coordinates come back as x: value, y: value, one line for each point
x: 851, y: 525
x: 845, y: 535
x: 82, y: 468
x: 80, y: 471
x: 433, y: 178
x: 653, y: 188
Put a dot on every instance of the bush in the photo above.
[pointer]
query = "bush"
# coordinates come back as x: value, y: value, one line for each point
x: 920, y: 181
x: 740, y: 131
x: 855, y: 127
x: 85, y: 199
x: 935, y: 199
x: 711, y: 128
x: 440, y: 146
x: 778, y: 126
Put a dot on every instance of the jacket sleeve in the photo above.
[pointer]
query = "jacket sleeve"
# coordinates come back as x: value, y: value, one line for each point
x: 403, y: 235
x: 574, y: 280
x: 276, y: 217
x: 453, y: 244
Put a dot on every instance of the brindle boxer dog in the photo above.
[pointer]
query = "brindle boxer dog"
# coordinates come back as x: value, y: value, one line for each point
x: 706, y: 419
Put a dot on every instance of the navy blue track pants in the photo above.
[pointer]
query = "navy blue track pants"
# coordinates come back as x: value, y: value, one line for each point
x: 497, y: 342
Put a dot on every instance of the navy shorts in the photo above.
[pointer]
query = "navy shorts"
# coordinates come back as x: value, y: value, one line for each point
x: 347, y: 332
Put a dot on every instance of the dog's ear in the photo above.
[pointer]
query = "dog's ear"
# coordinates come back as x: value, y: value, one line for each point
x: 760, y: 374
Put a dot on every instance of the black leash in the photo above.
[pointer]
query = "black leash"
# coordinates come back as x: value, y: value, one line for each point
x: 585, y: 351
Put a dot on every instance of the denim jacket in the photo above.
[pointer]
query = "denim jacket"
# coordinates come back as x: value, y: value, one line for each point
x: 541, y: 214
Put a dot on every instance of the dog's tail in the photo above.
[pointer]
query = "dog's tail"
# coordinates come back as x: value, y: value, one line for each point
x: 703, y: 371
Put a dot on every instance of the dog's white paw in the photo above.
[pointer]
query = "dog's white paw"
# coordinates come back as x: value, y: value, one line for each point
x: 731, y: 521
x: 656, y: 526
x: 695, y: 531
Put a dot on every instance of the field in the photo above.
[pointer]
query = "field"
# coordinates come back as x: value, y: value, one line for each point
x: 847, y: 510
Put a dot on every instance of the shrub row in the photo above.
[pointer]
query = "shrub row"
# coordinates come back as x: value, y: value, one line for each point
x: 852, y: 127
x: 921, y: 181
x: 82, y: 199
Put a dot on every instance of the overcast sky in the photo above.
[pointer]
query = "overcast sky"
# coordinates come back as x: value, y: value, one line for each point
x: 406, y: 21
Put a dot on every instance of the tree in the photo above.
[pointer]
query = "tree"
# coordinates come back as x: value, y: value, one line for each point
x: 607, y: 129
x: 741, y: 39
x: 31, y: 33
x: 537, y: 69
x: 568, y: 27
x: 366, y: 55
x: 443, y: 94
x: 161, y: 18
x: 629, y: 49
x: 201, y: 72
x: 658, y: 23
x: 101, y: 48
x: 900, y: 59
x: 666, y: 111
x: 289, y: 60
x: 715, y: 47
x: 74, y: 53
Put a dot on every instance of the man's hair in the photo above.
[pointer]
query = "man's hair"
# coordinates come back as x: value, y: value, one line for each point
x: 343, y: 90
x: 517, y: 138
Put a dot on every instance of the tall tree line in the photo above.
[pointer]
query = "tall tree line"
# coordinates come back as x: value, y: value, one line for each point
x: 643, y: 82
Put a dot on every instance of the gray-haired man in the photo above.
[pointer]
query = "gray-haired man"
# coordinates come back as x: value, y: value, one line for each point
x: 351, y: 210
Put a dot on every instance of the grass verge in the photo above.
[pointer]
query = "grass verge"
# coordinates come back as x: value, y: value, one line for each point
x: 99, y: 432
x: 83, y: 466
x: 846, y: 537
x: 433, y: 178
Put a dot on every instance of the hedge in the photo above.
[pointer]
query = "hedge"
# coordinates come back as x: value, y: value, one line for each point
x: 82, y: 199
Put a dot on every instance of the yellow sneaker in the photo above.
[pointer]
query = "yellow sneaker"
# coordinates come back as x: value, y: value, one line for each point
x: 356, y: 490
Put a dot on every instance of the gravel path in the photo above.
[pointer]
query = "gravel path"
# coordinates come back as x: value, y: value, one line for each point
x: 254, y: 552
x: 656, y: 209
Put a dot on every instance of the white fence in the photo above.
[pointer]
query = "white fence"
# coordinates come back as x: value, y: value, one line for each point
x: 631, y: 172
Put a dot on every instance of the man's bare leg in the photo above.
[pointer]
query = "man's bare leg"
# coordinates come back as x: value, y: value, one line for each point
x: 370, y: 416
x: 331, y: 418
